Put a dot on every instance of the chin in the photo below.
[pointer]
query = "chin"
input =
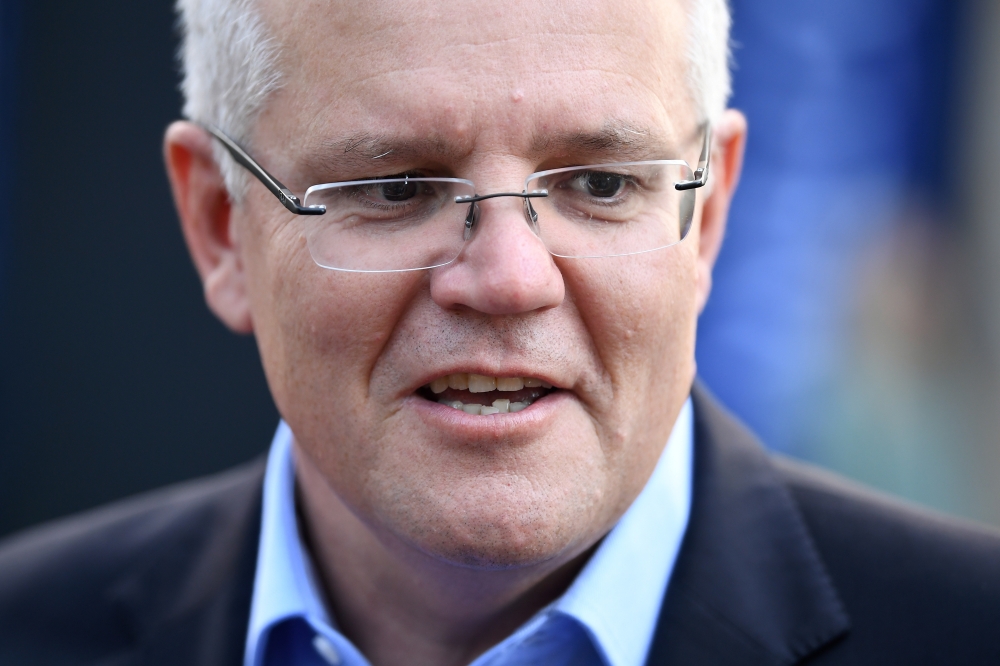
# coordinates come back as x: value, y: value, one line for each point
x: 499, y: 521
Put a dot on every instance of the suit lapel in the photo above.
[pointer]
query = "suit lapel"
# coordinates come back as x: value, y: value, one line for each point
x: 748, y: 586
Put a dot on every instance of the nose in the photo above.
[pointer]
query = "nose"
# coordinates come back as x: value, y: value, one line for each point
x: 504, y: 268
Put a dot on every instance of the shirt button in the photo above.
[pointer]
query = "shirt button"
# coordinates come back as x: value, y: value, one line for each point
x: 325, y: 648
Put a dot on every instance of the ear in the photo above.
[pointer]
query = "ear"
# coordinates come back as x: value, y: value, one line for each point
x: 728, y: 143
x: 206, y: 219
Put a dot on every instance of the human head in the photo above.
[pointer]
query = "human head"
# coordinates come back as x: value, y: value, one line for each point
x: 486, y: 97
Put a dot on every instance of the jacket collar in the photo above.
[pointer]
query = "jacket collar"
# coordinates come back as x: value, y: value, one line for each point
x: 749, y: 585
x: 188, y: 601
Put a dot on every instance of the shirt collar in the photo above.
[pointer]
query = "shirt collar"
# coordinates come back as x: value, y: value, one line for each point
x: 616, y: 597
x: 285, y: 585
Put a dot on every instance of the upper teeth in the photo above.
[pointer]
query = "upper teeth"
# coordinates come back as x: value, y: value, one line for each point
x: 482, y: 383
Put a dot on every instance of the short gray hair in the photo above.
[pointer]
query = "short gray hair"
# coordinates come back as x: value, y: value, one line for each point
x: 709, y: 55
x: 230, y: 66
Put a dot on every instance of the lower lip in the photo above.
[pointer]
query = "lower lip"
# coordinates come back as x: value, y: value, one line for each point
x: 444, y: 417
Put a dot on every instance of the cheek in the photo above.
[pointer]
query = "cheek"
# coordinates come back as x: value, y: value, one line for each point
x: 642, y: 319
x: 320, y: 332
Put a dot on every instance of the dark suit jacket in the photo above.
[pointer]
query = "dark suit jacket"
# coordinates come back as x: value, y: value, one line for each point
x: 781, y: 564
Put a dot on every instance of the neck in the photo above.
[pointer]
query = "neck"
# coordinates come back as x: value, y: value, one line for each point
x: 401, y: 605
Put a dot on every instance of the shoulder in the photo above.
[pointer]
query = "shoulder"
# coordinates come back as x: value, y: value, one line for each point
x: 785, y: 563
x: 91, y: 583
x: 849, y: 520
x: 906, y: 575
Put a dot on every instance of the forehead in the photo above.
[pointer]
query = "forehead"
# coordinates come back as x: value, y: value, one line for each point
x: 473, y: 76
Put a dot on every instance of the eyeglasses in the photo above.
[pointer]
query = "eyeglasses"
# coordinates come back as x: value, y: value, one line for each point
x: 413, y: 223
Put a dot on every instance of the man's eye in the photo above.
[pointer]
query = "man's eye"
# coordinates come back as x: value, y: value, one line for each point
x: 401, y: 191
x: 601, y: 184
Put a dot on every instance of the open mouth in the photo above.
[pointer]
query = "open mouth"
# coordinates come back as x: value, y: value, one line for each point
x: 483, y: 395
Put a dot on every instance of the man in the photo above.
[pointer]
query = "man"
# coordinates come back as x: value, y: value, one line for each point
x: 475, y: 302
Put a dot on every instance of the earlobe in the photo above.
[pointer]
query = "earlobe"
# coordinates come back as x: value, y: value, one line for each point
x: 729, y: 143
x: 205, y: 213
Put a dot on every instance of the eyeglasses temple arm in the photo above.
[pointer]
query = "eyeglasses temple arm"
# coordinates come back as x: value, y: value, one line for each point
x: 287, y: 199
x: 701, y: 173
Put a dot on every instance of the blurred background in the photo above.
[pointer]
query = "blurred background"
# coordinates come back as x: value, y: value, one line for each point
x: 855, y: 320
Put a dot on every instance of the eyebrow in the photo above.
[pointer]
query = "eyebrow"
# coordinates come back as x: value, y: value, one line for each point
x: 621, y: 140
x: 360, y: 152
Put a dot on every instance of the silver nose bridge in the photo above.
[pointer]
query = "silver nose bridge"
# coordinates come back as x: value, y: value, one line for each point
x: 473, y: 216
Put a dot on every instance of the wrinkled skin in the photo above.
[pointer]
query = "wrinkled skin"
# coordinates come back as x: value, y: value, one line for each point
x: 461, y: 526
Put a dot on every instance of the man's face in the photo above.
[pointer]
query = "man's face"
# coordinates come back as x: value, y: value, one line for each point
x: 489, y: 92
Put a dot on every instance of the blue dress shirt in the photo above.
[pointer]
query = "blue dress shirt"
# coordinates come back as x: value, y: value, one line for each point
x: 606, y: 617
